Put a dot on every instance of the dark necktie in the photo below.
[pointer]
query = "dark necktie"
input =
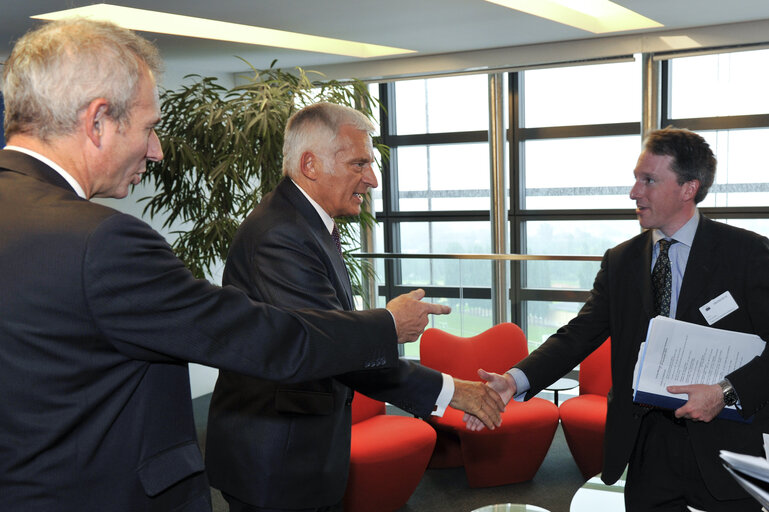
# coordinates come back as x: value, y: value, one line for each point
x: 662, y: 279
x: 335, y: 236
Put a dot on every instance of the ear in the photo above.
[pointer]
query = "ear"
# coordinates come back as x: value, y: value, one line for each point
x: 94, y: 120
x: 689, y: 190
x: 310, y: 165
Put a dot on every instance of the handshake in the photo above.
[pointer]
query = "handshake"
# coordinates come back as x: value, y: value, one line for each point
x: 483, y: 403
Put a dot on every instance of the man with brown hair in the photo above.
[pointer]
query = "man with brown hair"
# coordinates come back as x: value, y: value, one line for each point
x: 673, y: 456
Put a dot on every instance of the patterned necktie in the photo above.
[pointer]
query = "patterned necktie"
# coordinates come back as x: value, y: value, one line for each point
x: 662, y: 279
x: 335, y: 236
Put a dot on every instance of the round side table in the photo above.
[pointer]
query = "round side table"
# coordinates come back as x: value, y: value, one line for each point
x: 510, y: 507
x: 561, y: 385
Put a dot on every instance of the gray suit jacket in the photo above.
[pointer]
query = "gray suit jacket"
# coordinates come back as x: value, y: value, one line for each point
x: 288, y: 446
x: 722, y: 258
x: 98, y: 320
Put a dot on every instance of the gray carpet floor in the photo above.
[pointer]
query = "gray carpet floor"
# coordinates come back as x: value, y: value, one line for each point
x: 446, y: 490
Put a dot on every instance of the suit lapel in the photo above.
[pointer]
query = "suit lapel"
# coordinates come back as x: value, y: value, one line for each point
x: 643, y: 282
x: 638, y: 275
x: 338, y: 263
x: 701, y: 264
x: 318, y: 229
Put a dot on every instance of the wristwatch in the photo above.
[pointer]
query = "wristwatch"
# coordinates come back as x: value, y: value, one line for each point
x: 730, y: 395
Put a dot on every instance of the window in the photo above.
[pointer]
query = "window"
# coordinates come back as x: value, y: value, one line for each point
x: 574, y: 142
x: 436, y: 197
x: 723, y: 97
x: 579, y: 172
x: 581, y: 95
x: 573, y: 136
x: 726, y: 84
x: 441, y: 105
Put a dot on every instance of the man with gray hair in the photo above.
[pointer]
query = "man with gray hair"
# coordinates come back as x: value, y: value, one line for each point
x: 99, y: 318
x: 287, y: 252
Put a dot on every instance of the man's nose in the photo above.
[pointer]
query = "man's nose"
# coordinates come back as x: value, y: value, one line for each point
x: 154, y: 149
x: 634, y: 191
x: 369, y: 177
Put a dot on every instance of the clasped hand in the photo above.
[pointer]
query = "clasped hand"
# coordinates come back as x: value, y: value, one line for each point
x: 503, y: 386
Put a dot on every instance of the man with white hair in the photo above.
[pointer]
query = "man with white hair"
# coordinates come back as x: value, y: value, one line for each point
x: 287, y: 253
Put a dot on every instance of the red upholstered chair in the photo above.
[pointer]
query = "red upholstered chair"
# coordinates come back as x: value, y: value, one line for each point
x: 388, y: 456
x: 584, y: 417
x: 510, y: 453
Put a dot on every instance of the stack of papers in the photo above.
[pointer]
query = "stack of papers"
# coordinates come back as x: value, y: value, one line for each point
x: 751, y: 472
x: 679, y: 353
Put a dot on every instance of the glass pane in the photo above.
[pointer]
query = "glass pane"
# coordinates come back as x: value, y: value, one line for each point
x: 443, y: 177
x: 578, y: 95
x: 373, y: 90
x: 580, y: 173
x: 438, y: 105
x: 376, y: 193
x: 544, y: 318
x: 579, y: 238
x: 442, y: 238
x: 728, y: 84
x: 742, y: 175
x: 468, y: 317
x: 760, y: 226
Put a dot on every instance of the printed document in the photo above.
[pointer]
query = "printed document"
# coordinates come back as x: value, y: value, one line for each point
x: 680, y: 353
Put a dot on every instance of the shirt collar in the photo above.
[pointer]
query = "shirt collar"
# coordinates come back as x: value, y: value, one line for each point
x: 53, y: 165
x: 685, y: 235
x: 325, y: 217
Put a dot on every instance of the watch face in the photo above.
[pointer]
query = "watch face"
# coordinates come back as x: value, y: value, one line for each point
x: 730, y: 395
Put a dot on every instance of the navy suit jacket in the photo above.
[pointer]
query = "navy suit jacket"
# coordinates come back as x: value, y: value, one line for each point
x: 98, y: 319
x: 288, y: 446
x: 722, y: 258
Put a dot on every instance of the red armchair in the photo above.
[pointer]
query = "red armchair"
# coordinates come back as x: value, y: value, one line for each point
x: 510, y: 453
x: 584, y: 417
x: 388, y: 456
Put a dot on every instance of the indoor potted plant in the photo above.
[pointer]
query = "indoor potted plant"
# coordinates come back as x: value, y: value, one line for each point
x: 223, y: 152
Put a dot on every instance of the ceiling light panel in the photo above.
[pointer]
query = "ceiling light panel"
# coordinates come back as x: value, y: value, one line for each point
x: 175, y: 24
x: 596, y: 16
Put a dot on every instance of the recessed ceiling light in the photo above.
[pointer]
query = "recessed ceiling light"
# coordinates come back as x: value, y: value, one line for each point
x: 677, y: 42
x: 597, y: 16
x: 175, y: 24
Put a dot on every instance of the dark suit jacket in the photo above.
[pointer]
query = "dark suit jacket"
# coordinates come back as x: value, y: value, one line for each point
x: 282, y: 446
x: 97, y: 321
x: 722, y: 258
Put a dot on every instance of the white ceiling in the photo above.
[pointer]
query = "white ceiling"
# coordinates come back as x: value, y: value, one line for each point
x: 427, y: 26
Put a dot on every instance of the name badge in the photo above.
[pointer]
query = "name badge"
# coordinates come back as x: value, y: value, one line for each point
x: 718, y: 308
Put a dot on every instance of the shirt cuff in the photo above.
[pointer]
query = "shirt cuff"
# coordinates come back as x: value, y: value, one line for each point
x: 521, y: 383
x: 445, y: 396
